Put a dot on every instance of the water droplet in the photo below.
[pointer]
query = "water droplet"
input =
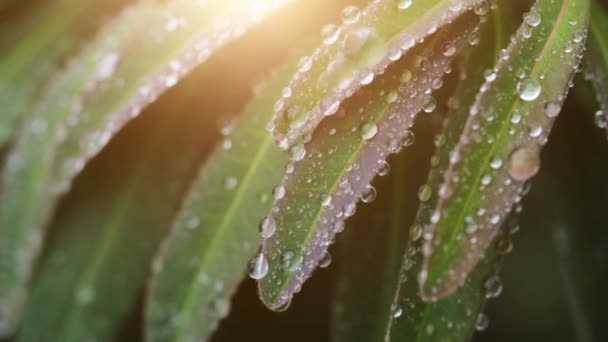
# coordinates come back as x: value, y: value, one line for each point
x: 496, y: 163
x: 291, y: 262
x: 398, y: 312
x: 552, y: 108
x: 449, y: 49
x: 325, y: 260
x: 482, y: 322
x: 330, y: 34
x: 368, y: 130
x: 600, y: 119
x: 231, y: 182
x: 425, y: 192
x: 297, y: 152
x: 267, y: 227
x: 429, y: 104
x: 404, y: 4
x: 258, y: 267
x: 384, y: 169
x: 278, y: 192
x: 524, y: 163
x: 529, y: 90
x: 85, y: 295
x: 492, y: 287
x: 350, y: 14
x: 369, y: 194
x: 532, y: 18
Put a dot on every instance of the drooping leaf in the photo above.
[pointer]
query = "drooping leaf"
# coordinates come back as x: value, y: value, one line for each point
x: 499, y: 148
x: 125, y: 68
x: 49, y: 33
x: 215, y: 234
x: 598, y: 58
x: 363, y: 47
x: 368, y: 257
x: 113, y: 222
x: 372, y: 303
x: 330, y: 173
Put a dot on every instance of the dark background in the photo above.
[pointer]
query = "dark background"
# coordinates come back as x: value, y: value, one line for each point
x: 541, y: 285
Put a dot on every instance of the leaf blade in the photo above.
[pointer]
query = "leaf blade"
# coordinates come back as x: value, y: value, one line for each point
x: 309, y: 209
x: 222, y: 208
x: 82, y: 119
x: 485, y: 194
x: 371, y: 42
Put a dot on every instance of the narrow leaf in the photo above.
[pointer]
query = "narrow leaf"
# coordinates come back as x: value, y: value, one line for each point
x: 109, y: 83
x: 368, y: 41
x: 499, y: 149
x: 49, y: 33
x: 107, y: 233
x: 215, y: 235
x: 455, y: 316
x: 335, y: 169
x: 368, y: 257
x: 598, y: 59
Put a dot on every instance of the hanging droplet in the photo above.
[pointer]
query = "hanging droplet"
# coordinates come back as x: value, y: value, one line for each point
x: 369, y: 194
x: 297, y: 152
x: 429, y: 104
x: 278, y: 192
x: 258, y: 267
x: 425, y: 192
x: 482, y: 322
x: 330, y: 34
x: 267, y: 227
x: 492, y: 287
x: 325, y: 260
x: 384, y: 169
x: 600, y: 119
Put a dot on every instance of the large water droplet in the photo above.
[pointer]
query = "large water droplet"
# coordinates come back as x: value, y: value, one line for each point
x: 524, y: 163
x: 258, y: 267
x: 529, y: 90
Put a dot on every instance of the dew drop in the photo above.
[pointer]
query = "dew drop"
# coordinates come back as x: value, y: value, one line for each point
x: 297, y: 152
x: 552, y: 108
x: 384, y: 169
x: 482, y: 322
x: 330, y: 34
x: 524, y: 163
x: 267, y: 227
x: 492, y: 287
x: 600, y: 119
x: 369, y: 194
x: 449, y: 49
x: 429, y: 104
x: 350, y: 14
x: 404, y: 4
x: 368, y: 130
x: 325, y: 260
x: 231, y: 182
x: 258, y: 267
x: 425, y: 192
x: 278, y: 192
x: 529, y: 90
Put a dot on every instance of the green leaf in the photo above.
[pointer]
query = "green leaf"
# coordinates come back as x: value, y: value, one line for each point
x: 215, y: 234
x: 106, y: 85
x: 114, y: 220
x: 39, y: 42
x: 598, y: 58
x: 499, y: 148
x: 368, y: 257
x: 363, y: 47
x: 331, y: 172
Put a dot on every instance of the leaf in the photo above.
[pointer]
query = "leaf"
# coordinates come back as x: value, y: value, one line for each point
x: 215, y: 236
x: 109, y: 83
x: 49, y: 33
x: 499, y: 149
x: 598, y: 58
x: 363, y: 47
x: 332, y: 171
x: 113, y: 223
x: 368, y: 257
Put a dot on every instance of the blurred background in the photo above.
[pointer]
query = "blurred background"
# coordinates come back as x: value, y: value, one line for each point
x: 556, y: 276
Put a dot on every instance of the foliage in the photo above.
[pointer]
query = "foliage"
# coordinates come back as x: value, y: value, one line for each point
x: 119, y: 198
